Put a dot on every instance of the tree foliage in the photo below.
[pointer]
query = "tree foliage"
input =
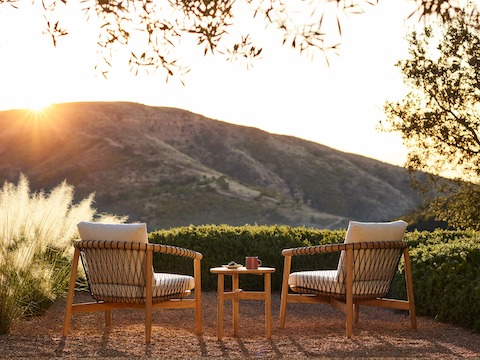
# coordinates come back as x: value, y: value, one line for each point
x: 160, y: 25
x: 439, y: 117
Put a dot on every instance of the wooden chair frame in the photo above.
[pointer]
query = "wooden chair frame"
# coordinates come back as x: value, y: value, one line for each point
x: 148, y: 305
x: 349, y: 305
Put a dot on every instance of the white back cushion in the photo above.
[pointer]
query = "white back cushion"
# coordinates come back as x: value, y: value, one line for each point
x: 369, y: 231
x: 107, y: 266
x: 113, y: 232
x: 367, y: 264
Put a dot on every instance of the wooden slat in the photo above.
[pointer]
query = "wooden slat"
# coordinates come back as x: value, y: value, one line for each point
x: 148, y: 297
x: 197, y: 274
x: 307, y: 299
x: 386, y: 303
x: 339, y: 305
x: 268, y: 305
x: 244, y: 295
x: 410, y: 295
x: 283, y: 303
x: 220, y: 290
x: 71, y: 292
x: 349, y: 299
x: 235, y: 298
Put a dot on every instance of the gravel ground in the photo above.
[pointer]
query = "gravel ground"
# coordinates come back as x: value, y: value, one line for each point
x: 312, y: 331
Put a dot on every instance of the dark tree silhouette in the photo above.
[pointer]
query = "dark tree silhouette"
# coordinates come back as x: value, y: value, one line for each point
x: 439, y: 118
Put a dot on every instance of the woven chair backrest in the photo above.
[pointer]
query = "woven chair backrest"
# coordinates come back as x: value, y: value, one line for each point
x: 371, y: 265
x: 113, y: 266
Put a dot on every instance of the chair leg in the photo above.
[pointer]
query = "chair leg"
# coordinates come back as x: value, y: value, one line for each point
x: 198, y: 296
x: 356, y: 310
x: 349, y: 318
x: 71, y: 292
x: 108, y: 318
x: 349, y: 300
x: 410, y: 295
x: 283, y: 304
x: 148, y: 300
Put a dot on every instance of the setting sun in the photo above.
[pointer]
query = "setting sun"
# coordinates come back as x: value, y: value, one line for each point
x: 312, y: 101
x: 39, y: 106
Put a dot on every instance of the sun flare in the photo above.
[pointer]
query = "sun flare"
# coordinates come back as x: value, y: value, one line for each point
x: 39, y: 106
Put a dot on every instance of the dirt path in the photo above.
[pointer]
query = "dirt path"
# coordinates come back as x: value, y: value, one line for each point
x: 312, y: 331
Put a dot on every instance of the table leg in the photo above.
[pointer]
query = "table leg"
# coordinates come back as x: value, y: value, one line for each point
x: 220, y: 290
x: 235, y: 288
x: 268, y: 306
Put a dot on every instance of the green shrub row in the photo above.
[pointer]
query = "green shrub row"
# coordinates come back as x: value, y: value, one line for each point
x: 446, y: 276
x: 223, y: 243
x: 445, y: 264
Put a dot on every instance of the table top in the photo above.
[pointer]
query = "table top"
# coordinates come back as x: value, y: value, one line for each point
x: 241, y: 270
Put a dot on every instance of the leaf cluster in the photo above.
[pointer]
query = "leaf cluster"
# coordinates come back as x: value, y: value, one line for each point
x: 159, y: 27
x: 439, y: 117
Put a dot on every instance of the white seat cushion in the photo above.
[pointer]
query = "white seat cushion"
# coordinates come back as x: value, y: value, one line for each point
x: 165, y: 285
x: 326, y: 282
x: 320, y: 280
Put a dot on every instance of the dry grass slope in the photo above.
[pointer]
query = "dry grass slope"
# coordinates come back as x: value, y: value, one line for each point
x: 170, y: 167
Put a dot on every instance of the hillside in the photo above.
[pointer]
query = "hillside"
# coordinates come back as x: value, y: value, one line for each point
x: 169, y: 167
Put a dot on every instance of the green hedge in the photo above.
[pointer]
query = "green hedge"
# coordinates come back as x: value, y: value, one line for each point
x: 446, y: 276
x: 445, y: 264
x: 222, y: 244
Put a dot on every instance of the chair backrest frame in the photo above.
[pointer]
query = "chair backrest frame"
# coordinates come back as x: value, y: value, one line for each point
x: 371, y: 263
x: 121, y: 266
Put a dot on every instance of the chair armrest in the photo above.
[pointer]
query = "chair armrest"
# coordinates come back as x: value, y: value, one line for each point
x: 121, y: 245
x: 318, y: 249
x: 175, y: 250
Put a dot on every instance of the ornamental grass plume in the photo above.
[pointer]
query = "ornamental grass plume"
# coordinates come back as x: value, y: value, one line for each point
x: 36, y: 235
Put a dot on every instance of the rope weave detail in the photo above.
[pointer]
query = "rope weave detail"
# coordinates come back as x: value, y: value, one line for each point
x: 116, y: 271
x: 374, y: 266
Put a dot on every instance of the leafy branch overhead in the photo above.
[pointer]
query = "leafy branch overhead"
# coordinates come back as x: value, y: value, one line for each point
x: 439, y: 118
x: 154, y: 30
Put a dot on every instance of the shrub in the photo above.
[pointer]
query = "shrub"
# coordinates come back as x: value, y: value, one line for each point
x: 446, y: 276
x: 445, y: 264
x: 222, y: 244
x: 36, y: 235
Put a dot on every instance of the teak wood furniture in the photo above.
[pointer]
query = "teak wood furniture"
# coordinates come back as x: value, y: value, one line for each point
x: 238, y: 294
x: 368, y: 261
x: 120, y: 274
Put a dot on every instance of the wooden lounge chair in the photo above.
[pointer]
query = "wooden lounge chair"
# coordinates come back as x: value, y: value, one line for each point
x: 368, y: 261
x: 117, y: 259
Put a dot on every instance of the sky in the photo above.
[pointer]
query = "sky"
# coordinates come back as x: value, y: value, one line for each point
x: 337, y: 105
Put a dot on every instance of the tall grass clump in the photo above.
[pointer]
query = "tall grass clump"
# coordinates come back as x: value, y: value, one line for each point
x: 36, y: 235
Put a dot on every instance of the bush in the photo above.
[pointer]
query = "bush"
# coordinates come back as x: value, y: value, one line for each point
x: 446, y: 276
x: 445, y: 264
x: 222, y: 244
x: 36, y: 236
